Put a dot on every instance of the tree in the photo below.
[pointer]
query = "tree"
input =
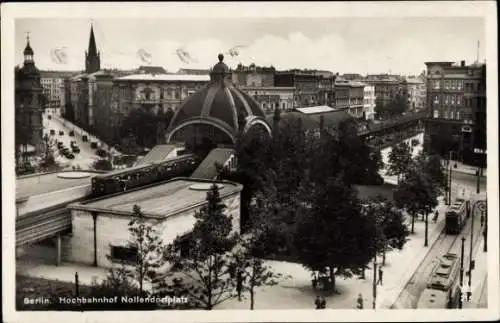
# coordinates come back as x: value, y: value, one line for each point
x: 144, y: 239
x: 416, y: 194
x: 431, y: 167
x: 333, y: 234
x: 48, y: 162
x: 391, y: 229
x: 400, y: 158
x: 143, y: 125
x: 128, y: 144
x: 203, y: 273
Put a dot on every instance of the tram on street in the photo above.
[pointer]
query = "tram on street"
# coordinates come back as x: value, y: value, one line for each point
x: 443, y: 286
x: 456, y: 217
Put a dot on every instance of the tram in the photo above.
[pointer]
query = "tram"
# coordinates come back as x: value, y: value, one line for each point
x: 443, y: 287
x: 456, y: 217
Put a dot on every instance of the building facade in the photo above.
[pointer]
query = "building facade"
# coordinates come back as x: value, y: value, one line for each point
x: 306, y: 85
x: 456, y: 100
x: 253, y: 76
x: 417, y: 93
x: 386, y: 87
x: 270, y: 98
x: 53, y: 87
x: 28, y: 96
x: 349, y: 96
x: 369, y: 102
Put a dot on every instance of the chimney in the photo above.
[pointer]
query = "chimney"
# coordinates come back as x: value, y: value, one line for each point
x: 462, y: 63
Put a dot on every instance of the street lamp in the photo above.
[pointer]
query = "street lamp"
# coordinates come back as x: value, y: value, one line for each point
x: 485, y: 232
x: 471, y: 262
x: 426, y: 229
x: 374, y: 282
x: 462, y: 263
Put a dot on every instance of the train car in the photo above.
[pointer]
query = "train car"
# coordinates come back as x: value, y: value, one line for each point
x: 456, y: 216
x: 122, y: 180
x: 443, y: 287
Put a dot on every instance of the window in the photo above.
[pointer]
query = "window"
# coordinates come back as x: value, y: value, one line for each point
x: 436, y: 114
x: 452, y: 100
x: 446, y: 99
x: 459, y: 100
x: 446, y: 84
x: 458, y: 115
x: 124, y: 254
x: 451, y: 115
x: 436, y: 85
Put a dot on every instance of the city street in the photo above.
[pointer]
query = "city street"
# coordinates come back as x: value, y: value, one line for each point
x: 410, y: 295
x: 84, y: 158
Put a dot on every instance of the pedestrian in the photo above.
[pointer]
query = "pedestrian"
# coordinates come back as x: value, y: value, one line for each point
x: 317, y: 302
x: 239, y: 283
x: 359, y: 302
x: 380, y: 274
x: 436, y: 215
x: 322, y: 302
x: 469, y: 292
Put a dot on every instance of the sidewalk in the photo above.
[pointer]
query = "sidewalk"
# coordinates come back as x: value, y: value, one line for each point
x: 479, y: 277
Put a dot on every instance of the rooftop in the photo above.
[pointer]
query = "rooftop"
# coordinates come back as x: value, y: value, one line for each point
x: 160, y: 200
x: 316, y: 109
x: 31, y: 185
x: 207, y: 170
x: 166, y: 77
x: 158, y: 153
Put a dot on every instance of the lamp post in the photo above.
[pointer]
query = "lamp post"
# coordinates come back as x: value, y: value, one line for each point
x: 478, y: 174
x: 462, y: 262
x: 485, y: 231
x: 426, y: 229
x: 374, y: 282
x: 471, y: 242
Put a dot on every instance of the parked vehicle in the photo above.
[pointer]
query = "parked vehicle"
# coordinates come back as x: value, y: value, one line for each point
x: 61, y: 133
x: 75, y: 149
x: 60, y: 145
x: 93, y: 145
x: 85, y: 138
x: 52, y: 132
x: 71, y: 133
x: 49, y: 117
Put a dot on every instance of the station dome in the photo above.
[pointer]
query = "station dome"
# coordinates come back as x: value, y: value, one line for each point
x: 219, y: 111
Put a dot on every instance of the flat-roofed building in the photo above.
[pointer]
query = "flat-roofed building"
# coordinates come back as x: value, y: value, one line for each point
x: 272, y: 97
x: 100, y: 226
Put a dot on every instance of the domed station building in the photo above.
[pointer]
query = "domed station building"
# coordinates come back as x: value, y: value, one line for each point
x: 218, y: 113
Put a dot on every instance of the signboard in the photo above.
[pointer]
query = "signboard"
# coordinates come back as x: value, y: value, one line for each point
x: 466, y: 129
x: 479, y: 151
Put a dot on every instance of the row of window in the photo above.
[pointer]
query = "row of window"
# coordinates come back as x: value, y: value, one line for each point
x: 448, y: 84
x: 453, y: 115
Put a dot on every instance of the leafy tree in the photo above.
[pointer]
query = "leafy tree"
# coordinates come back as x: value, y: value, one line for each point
x: 203, y: 273
x: 143, y: 125
x: 333, y: 234
x: 391, y: 229
x: 416, y: 194
x: 128, y: 144
x: 431, y: 166
x: 400, y: 158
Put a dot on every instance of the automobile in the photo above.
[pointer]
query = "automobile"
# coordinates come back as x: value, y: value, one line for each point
x: 75, y: 149
x: 71, y: 133
x: 73, y: 143
x: 85, y: 138
x: 49, y: 117
x: 60, y: 145
x: 52, y: 132
x: 61, y: 133
x: 93, y: 145
x: 70, y: 156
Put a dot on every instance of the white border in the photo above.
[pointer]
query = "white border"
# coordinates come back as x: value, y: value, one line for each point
x: 10, y: 11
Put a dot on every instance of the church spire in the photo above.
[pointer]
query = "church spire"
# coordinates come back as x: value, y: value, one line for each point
x: 92, y: 57
x: 28, y: 51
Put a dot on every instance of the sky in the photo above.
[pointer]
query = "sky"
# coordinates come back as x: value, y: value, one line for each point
x: 361, y: 45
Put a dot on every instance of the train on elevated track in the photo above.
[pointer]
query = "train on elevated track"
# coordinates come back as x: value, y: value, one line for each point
x: 443, y: 287
x: 140, y: 175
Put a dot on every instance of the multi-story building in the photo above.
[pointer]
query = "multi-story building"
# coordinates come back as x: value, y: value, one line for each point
x: 369, y: 102
x: 386, y: 87
x: 456, y: 101
x: 151, y: 92
x: 53, y: 87
x: 253, y: 76
x: 271, y: 97
x: 28, y: 107
x: 417, y: 94
x: 326, y: 90
x: 349, y: 95
x: 192, y: 71
x: 305, y: 83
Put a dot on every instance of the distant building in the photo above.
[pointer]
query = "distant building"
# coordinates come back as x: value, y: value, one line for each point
x: 253, y: 76
x: 53, y: 87
x: 191, y: 71
x: 456, y: 101
x: 151, y: 70
x: 272, y: 97
x: 305, y: 83
x: 386, y: 87
x: 369, y: 102
x: 28, y: 106
x: 349, y: 95
x: 417, y: 94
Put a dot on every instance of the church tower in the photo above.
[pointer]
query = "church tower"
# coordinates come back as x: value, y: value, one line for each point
x: 29, y: 102
x: 92, y: 56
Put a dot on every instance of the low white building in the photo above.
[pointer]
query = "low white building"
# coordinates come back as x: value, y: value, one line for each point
x: 100, y: 226
x: 369, y: 102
